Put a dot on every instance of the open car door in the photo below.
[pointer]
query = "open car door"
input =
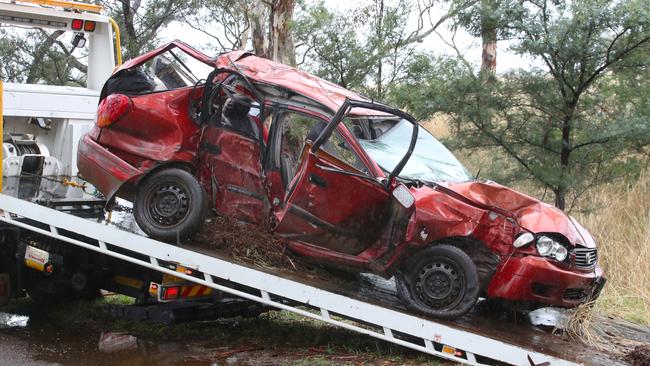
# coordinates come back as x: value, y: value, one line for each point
x: 331, y: 202
x: 330, y: 205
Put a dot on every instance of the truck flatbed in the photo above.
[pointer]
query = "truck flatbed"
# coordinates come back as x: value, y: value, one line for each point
x: 368, y: 305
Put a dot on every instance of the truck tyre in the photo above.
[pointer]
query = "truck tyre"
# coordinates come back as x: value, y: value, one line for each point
x: 170, y: 205
x: 440, y: 281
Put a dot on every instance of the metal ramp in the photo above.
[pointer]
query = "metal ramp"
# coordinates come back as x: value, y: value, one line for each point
x: 393, y: 326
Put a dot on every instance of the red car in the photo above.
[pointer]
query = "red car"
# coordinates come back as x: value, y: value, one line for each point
x: 346, y: 181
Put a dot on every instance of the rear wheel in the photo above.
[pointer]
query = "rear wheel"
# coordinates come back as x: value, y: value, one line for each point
x: 441, y: 281
x: 170, y: 205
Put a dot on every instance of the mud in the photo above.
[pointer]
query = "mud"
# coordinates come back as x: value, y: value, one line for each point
x: 639, y: 356
x: 271, y: 339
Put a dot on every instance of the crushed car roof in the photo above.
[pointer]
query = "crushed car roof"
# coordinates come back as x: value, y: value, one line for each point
x: 262, y: 70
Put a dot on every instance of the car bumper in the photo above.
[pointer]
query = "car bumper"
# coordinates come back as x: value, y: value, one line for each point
x: 536, y: 279
x: 106, y: 171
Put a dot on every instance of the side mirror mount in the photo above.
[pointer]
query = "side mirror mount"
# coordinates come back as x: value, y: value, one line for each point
x: 402, y: 195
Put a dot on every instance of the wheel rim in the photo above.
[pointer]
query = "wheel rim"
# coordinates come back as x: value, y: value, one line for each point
x: 168, y: 203
x: 440, y: 283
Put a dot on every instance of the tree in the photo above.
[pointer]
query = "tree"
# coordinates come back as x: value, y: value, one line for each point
x: 240, y: 24
x: 141, y: 22
x: 569, y: 123
x: 40, y: 56
x: 366, y: 48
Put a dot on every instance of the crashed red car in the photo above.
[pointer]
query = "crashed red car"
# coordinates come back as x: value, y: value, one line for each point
x: 344, y: 180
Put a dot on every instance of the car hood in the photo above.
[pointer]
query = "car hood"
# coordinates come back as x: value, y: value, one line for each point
x: 531, y: 214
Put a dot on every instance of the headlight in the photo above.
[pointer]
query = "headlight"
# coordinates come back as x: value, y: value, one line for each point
x: 523, y: 240
x: 548, y: 247
x: 561, y: 253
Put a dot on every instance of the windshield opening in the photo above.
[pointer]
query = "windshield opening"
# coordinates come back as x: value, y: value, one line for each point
x: 386, y: 140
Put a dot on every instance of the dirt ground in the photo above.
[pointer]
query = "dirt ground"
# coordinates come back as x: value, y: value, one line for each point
x: 639, y: 356
x: 83, y: 334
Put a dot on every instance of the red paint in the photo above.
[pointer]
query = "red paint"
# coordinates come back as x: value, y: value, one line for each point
x: 323, y: 213
x: 112, y: 108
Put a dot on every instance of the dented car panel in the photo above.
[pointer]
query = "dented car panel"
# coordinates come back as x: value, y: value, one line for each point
x: 331, y: 208
x: 231, y: 173
x: 164, y: 131
x: 106, y: 170
x: 536, y: 280
x: 532, y: 214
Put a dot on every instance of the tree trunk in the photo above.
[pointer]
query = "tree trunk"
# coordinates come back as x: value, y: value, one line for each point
x: 129, y: 10
x: 380, y: 38
x: 244, y: 36
x: 257, y: 21
x: 488, y: 37
x: 565, y: 154
x: 283, y: 49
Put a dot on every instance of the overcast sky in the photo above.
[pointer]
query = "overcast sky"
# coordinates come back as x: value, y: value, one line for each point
x: 470, y: 46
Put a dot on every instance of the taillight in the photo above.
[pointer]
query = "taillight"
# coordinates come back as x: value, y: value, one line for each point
x: 89, y: 26
x: 170, y: 293
x: 112, y: 109
x: 77, y: 24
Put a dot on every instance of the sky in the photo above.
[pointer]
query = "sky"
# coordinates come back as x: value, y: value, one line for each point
x: 470, y: 46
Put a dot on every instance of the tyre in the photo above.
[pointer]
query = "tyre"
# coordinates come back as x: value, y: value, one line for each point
x: 440, y: 281
x: 170, y: 205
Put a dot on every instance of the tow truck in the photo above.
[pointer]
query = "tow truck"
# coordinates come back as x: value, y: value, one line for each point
x: 57, y: 243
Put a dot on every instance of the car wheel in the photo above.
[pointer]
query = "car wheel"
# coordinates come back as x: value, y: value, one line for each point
x: 440, y: 281
x: 170, y: 205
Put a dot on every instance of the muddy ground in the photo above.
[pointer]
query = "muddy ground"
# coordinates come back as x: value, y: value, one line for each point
x: 82, y: 333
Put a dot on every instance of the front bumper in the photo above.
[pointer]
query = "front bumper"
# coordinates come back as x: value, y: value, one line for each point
x: 536, y: 279
x: 106, y: 171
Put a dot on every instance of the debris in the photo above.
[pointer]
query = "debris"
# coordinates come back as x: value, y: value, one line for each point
x: 550, y: 317
x: 114, y: 342
x: 639, y: 356
x: 245, y: 243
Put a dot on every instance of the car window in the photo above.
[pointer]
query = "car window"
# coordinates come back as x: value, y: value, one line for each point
x: 175, y: 69
x: 239, y: 114
x: 298, y: 129
x: 338, y: 147
x: 168, y: 71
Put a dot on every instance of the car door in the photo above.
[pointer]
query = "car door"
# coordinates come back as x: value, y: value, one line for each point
x: 331, y: 201
x: 230, y: 167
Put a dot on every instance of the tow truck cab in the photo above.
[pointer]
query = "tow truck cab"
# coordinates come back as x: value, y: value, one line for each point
x: 42, y: 124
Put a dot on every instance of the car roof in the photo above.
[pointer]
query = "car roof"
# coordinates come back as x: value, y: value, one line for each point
x: 265, y: 71
x: 262, y: 70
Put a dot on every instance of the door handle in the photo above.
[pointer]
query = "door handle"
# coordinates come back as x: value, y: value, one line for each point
x: 317, y: 180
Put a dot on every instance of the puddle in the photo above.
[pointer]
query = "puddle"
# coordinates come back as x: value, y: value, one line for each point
x: 13, y: 320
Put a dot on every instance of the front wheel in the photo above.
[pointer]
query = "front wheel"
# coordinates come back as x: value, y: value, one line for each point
x: 440, y: 281
x: 170, y: 205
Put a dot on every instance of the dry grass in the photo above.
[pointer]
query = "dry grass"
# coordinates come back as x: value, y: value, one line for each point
x: 621, y: 226
x: 438, y: 126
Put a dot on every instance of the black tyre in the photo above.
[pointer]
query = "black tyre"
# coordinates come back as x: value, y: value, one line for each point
x: 440, y: 281
x: 170, y: 205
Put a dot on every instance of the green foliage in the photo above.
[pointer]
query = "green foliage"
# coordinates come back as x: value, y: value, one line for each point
x: 366, y: 49
x: 140, y: 22
x: 579, y: 120
x: 40, y: 56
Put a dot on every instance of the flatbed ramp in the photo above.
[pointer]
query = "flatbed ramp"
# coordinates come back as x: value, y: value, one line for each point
x: 466, y: 341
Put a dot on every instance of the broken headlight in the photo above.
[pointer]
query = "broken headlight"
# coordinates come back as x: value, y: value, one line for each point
x: 548, y: 247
